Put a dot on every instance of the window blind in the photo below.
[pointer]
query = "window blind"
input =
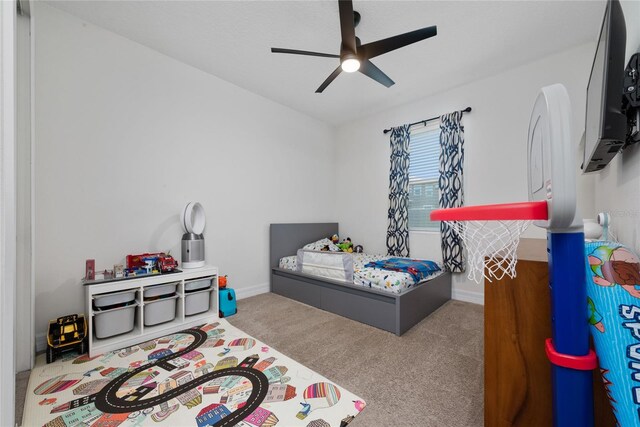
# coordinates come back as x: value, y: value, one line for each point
x: 424, y: 153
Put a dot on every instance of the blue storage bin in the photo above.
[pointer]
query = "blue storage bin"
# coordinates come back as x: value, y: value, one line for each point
x: 227, y: 299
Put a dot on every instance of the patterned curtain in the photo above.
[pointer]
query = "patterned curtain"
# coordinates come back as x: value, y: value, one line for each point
x: 450, y: 183
x: 398, y: 226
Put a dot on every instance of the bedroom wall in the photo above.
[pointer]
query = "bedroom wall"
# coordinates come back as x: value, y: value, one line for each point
x: 495, y: 151
x: 125, y: 137
x: 618, y: 185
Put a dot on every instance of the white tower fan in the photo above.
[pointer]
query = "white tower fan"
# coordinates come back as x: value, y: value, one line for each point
x: 193, y: 221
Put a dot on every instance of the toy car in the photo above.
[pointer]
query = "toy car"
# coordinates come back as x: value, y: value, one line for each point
x: 166, y: 263
x: 66, y: 333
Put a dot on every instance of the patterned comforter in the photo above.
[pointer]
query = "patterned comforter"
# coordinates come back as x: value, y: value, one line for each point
x: 375, y: 278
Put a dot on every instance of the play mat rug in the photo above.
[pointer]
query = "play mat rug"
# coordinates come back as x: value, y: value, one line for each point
x: 212, y: 375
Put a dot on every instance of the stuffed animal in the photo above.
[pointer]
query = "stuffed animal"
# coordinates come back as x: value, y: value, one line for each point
x: 335, y: 239
x: 359, y: 249
x: 346, y: 245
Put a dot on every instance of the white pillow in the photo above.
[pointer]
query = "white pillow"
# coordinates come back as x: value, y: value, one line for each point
x: 317, y: 246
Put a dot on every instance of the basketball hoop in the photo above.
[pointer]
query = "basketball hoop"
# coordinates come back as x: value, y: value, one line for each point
x: 491, y: 234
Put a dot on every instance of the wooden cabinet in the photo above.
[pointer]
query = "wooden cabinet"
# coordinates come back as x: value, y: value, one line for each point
x: 141, y: 332
x: 517, y: 377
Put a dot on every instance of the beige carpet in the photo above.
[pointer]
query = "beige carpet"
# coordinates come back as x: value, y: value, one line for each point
x: 431, y: 376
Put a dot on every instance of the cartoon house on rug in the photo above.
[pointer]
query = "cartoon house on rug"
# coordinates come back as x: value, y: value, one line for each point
x: 211, y: 414
x: 159, y: 354
x: 148, y: 345
x: 140, y: 392
x: 227, y: 362
x: 237, y: 395
x: 193, y: 356
x: 112, y: 372
x: 140, y: 378
x: 214, y: 386
x: 212, y: 342
x: 275, y: 373
x: 249, y: 361
x: 91, y: 387
x: 111, y: 420
x: 191, y: 397
x: 178, y: 363
x: 75, y: 416
x: 264, y: 364
x: 280, y: 393
x: 261, y: 418
x: 209, y: 326
x: 204, y: 369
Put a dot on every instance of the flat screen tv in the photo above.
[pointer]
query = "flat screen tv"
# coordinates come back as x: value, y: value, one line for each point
x: 605, y: 123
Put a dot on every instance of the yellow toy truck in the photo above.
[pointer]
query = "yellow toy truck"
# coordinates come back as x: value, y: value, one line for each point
x: 66, y: 333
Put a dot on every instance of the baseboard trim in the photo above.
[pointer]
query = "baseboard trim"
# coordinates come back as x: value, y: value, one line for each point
x: 468, y: 296
x: 251, y: 291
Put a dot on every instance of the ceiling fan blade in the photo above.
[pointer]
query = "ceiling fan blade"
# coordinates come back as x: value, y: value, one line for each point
x: 370, y: 70
x: 373, y: 49
x: 329, y: 79
x: 347, y: 25
x: 303, y: 52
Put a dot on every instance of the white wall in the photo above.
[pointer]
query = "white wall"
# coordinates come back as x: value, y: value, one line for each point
x: 495, y: 150
x: 125, y: 137
x: 618, y: 185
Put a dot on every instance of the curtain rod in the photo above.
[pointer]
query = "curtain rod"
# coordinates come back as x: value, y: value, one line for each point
x: 466, y: 110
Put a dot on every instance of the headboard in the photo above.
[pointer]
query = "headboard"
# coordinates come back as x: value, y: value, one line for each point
x: 286, y: 239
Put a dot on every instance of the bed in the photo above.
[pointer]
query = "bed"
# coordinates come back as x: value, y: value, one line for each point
x: 390, y: 311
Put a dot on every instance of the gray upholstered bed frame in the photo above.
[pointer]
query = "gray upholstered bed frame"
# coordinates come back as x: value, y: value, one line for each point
x: 395, y: 313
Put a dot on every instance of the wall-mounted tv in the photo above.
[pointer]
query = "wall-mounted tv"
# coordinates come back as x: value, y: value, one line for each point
x: 605, y: 123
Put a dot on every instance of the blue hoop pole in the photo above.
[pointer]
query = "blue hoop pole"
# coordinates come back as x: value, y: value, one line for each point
x: 572, y: 389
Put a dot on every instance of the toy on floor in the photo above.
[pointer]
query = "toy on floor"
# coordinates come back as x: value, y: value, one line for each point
x: 222, y: 282
x: 66, y: 333
x: 227, y: 300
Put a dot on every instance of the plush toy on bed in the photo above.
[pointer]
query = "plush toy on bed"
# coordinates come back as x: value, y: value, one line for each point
x: 358, y: 249
x: 335, y: 239
x: 346, y: 245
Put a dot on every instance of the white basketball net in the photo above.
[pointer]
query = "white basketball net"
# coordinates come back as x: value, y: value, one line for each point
x: 491, y: 246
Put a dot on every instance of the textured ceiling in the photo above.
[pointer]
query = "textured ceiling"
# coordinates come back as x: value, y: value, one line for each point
x: 232, y: 40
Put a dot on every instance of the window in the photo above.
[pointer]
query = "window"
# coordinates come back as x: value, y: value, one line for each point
x: 424, y: 161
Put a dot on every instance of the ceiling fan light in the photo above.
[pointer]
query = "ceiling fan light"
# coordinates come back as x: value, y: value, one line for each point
x: 350, y: 65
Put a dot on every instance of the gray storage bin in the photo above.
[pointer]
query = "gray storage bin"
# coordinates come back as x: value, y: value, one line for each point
x: 115, y: 321
x: 157, y: 290
x: 197, y: 284
x: 197, y: 302
x: 112, y: 298
x: 160, y: 311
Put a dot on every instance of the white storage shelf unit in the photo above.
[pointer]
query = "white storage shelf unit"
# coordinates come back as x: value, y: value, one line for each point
x: 140, y: 332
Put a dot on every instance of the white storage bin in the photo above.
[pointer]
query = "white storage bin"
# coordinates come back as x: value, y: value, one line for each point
x: 112, y: 298
x: 197, y: 302
x: 115, y: 321
x: 157, y: 290
x: 197, y: 284
x: 160, y: 311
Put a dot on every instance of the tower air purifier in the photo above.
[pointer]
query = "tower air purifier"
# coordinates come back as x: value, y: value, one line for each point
x: 193, y: 221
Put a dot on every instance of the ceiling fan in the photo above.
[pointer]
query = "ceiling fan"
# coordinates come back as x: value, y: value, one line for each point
x: 355, y: 56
